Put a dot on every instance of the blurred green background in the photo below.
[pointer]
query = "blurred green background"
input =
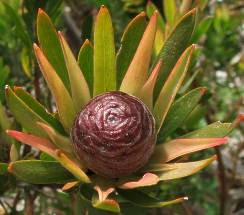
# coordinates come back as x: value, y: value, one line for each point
x: 218, y: 65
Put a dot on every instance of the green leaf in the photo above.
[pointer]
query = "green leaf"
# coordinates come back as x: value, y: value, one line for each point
x: 50, y: 44
x: 179, y: 111
x: 85, y: 60
x: 158, y: 43
x: 23, y: 114
x: 173, y: 47
x: 129, y: 43
x: 25, y: 61
x: 171, y: 87
x: 38, y: 109
x: 202, y: 28
x: 141, y: 199
x: 180, y: 170
x: 189, y: 81
x: 216, y: 129
x: 169, y: 11
x: 63, y: 100
x: 46, y: 157
x: 3, y: 168
x: 104, y: 54
x: 195, y: 116
x: 40, y: 172
x: 79, y: 88
x: 138, y: 69
x: 107, y: 204
x: 175, y: 148
x: 5, y: 122
x: 150, y: 8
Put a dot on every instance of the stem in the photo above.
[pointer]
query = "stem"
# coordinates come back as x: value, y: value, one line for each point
x: 222, y: 181
x: 29, y: 203
x: 36, y: 84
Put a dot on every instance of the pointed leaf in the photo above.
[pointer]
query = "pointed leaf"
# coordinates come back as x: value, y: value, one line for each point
x: 138, y: 69
x: 79, y: 88
x: 195, y: 116
x: 50, y: 44
x: 216, y: 129
x: 22, y: 113
x: 60, y: 141
x: 141, y: 199
x: 103, y: 192
x: 63, y: 100
x: 39, y: 109
x: 70, y: 185
x: 40, y: 172
x: 70, y: 165
x: 146, y: 93
x: 25, y: 62
x: 37, y: 142
x: 171, y: 87
x: 148, y: 179
x: 169, y: 11
x: 173, y: 47
x: 159, y: 42
x: 179, y: 111
x: 202, y: 28
x: 189, y: 81
x: 129, y: 43
x: 107, y: 204
x: 104, y: 54
x: 178, y: 147
x: 150, y: 8
x: 180, y: 170
x: 85, y: 60
x: 5, y: 122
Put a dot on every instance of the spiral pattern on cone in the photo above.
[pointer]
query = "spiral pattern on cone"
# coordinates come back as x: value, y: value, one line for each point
x: 114, y: 134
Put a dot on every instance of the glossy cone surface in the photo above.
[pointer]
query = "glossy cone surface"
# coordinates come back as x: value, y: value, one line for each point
x: 114, y: 134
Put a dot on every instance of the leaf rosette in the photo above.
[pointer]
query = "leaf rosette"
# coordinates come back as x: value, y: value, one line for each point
x: 113, y: 134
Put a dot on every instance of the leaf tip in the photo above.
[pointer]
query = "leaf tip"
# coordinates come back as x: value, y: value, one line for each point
x: 16, y: 88
x: 240, y: 117
x: 7, y: 88
x: 35, y: 47
x: 154, y: 16
x: 40, y: 11
x: 203, y: 90
x: 103, y: 9
x: 87, y: 42
x: 8, y: 132
x: 193, y: 11
x: 10, y: 168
